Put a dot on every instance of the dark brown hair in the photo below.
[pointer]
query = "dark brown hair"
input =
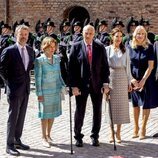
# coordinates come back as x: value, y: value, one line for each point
x: 113, y: 32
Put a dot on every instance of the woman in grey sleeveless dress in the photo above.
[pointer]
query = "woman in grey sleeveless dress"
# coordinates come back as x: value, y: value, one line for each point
x: 119, y: 82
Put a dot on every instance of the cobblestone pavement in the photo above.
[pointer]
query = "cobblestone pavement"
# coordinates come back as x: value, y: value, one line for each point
x: 129, y: 148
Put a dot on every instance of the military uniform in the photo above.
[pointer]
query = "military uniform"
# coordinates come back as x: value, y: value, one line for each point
x: 119, y: 24
x: 103, y: 36
x: 66, y: 41
x: 63, y: 50
x: 151, y: 37
x: 74, y: 37
x: 40, y: 37
x: 6, y: 40
x: 37, y: 44
x: 130, y: 27
x: 31, y: 39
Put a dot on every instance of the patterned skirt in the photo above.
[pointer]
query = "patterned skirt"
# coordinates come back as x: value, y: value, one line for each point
x: 50, y: 107
x: 118, y: 97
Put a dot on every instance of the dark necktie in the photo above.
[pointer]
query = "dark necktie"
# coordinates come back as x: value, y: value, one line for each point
x: 89, y: 53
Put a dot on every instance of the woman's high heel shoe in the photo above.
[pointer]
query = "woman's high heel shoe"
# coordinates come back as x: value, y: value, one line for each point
x: 136, y: 135
x: 118, y: 138
x: 50, y: 141
x: 143, y: 134
x: 111, y: 139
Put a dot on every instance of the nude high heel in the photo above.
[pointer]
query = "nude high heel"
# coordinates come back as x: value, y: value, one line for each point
x: 111, y: 139
x: 118, y: 138
x: 135, y: 134
x: 143, y: 134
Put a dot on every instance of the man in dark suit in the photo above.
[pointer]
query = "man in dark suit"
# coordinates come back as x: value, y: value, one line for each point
x: 15, y: 64
x: 89, y: 74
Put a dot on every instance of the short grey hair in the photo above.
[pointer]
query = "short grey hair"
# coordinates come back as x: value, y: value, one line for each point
x: 88, y: 27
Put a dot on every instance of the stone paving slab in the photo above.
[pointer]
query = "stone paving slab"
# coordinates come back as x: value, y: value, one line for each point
x: 129, y: 148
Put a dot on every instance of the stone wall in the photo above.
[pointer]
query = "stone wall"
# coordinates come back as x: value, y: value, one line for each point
x: 33, y: 10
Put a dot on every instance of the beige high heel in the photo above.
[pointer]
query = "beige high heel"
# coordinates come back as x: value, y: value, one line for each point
x: 45, y: 143
x: 111, y: 139
x: 50, y: 141
x: 136, y: 135
x: 112, y: 135
x: 118, y: 138
x: 143, y: 134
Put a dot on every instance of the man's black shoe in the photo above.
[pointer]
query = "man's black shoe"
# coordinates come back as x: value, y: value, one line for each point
x: 155, y: 135
x: 22, y: 146
x: 95, y: 142
x: 12, y: 151
x: 79, y: 143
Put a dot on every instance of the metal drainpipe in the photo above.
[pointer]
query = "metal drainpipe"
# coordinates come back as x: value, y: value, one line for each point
x: 6, y: 2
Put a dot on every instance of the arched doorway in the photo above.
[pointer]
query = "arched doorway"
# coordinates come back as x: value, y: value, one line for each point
x: 76, y: 13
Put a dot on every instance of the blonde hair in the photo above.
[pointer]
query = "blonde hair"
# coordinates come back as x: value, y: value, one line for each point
x: 134, y: 42
x: 46, y: 43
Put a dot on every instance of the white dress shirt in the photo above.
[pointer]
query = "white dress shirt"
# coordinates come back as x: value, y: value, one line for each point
x: 25, y: 54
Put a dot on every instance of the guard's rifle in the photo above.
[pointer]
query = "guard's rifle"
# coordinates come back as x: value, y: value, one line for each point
x: 96, y: 27
x: 69, y: 39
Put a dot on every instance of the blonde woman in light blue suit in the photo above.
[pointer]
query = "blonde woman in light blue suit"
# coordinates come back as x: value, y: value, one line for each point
x: 48, y: 87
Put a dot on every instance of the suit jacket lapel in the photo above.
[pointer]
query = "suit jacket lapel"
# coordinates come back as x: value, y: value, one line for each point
x: 84, y: 52
x: 94, y: 49
x: 31, y: 56
x: 18, y: 54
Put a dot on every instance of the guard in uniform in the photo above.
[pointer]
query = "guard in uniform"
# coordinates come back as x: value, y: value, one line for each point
x: 77, y: 29
x: 117, y: 23
x: 130, y: 27
x: 1, y: 23
x: 6, y: 40
x: 37, y: 43
x: 102, y: 35
x: 75, y: 35
x: 50, y: 27
x: 65, y: 33
x: 50, y: 30
x: 65, y: 30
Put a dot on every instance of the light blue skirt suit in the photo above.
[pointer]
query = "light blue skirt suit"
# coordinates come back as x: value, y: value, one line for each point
x: 49, y: 85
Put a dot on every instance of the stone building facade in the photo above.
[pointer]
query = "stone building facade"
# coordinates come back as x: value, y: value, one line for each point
x: 57, y: 10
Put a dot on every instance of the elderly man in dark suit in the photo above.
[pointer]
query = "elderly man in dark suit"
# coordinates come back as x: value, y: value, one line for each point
x: 15, y: 64
x: 89, y: 74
